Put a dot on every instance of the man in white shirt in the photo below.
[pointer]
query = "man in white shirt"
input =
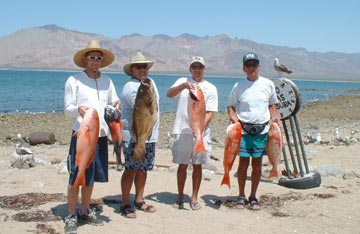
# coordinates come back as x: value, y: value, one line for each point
x: 89, y: 88
x: 183, y: 146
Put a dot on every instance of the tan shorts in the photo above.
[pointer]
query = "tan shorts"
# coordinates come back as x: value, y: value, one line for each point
x: 183, y: 148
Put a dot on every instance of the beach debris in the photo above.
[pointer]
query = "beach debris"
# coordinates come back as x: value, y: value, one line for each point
x: 207, y: 174
x: 36, y: 216
x: 45, y: 228
x: 47, y: 138
x: 26, y: 201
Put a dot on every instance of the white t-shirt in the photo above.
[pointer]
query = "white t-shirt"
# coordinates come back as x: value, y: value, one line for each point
x: 127, y: 98
x: 181, y: 125
x: 80, y: 90
x: 252, y: 99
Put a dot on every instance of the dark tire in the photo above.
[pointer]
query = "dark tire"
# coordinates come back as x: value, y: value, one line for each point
x: 311, y: 180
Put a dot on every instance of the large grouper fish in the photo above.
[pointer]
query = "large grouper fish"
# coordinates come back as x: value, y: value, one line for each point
x: 144, y: 117
x: 87, y: 139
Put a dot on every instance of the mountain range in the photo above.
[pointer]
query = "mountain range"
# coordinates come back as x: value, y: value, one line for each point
x: 52, y: 47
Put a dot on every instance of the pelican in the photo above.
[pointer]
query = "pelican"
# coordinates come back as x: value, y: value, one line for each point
x: 280, y: 68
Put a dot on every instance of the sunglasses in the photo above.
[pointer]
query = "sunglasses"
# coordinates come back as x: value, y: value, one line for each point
x: 197, y: 67
x: 95, y: 58
x: 251, y: 64
x: 140, y: 66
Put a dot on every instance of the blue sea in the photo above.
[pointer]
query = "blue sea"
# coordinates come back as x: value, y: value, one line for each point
x: 23, y: 91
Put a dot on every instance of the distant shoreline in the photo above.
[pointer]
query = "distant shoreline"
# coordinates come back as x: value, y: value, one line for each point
x: 164, y: 73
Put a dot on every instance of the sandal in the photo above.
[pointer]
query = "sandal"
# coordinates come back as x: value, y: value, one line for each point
x: 128, y: 212
x: 254, y: 203
x: 241, y: 202
x: 179, y: 205
x: 195, y: 205
x: 144, y: 207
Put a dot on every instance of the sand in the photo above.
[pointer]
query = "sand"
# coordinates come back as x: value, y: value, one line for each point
x: 333, y: 207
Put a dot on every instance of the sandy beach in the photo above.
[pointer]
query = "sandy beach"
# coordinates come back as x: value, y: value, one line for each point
x: 33, y: 200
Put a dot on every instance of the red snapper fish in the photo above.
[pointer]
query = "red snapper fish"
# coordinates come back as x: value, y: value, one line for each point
x: 113, y: 119
x: 273, y: 149
x: 144, y: 117
x: 197, y: 111
x: 87, y: 139
x: 232, y: 146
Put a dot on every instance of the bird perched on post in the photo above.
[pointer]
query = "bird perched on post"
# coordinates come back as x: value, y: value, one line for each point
x: 280, y: 68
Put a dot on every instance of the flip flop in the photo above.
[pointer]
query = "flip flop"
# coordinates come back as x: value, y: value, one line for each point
x: 144, y: 207
x: 254, y: 204
x: 241, y: 203
x: 179, y: 205
x: 128, y: 212
x: 195, y: 205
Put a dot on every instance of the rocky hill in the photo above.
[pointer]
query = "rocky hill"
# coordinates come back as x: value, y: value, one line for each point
x: 52, y: 47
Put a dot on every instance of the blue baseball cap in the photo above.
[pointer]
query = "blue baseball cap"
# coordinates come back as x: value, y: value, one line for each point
x: 250, y: 56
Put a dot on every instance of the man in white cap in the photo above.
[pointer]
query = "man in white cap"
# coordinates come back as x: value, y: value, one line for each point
x: 89, y: 88
x: 182, y: 153
x: 135, y: 169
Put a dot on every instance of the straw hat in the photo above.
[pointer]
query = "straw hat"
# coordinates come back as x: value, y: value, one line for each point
x: 136, y: 57
x: 93, y: 45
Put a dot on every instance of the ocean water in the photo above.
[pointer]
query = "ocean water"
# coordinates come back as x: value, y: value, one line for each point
x: 43, y: 91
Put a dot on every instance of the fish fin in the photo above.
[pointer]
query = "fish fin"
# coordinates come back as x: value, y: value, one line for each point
x: 80, y: 180
x: 226, y: 180
x: 275, y: 173
x: 199, y: 147
x: 117, y: 151
x: 139, y: 152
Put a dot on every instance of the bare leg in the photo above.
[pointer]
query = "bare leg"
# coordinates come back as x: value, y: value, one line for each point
x: 73, y: 194
x: 126, y: 184
x: 140, y: 180
x: 181, y: 179
x: 196, y: 179
x: 255, y: 175
x: 242, y: 174
x: 86, y: 192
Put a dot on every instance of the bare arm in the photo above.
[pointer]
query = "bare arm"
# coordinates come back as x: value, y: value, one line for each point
x: 274, y: 115
x: 232, y: 114
x: 172, y: 92
x: 208, y: 117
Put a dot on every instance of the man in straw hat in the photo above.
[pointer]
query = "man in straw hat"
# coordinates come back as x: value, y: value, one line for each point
x: 89, y: 88
x: 136, y: 170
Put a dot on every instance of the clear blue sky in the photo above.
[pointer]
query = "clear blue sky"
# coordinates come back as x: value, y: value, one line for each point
x: 316, y: 25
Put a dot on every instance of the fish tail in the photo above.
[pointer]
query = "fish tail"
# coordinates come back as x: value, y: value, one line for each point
x: 226, y: 180
x: 274, y: 173
x: 117, y: 150
x: 139, y: 152
x: 199, y: 147
x: 80, y: 180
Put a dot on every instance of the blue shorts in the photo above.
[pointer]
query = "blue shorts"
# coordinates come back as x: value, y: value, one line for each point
x: 253, y: 146
x: 98, y: 170
x: 147, y: 164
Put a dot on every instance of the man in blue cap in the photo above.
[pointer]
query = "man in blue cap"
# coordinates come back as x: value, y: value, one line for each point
x: 252, y: 102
